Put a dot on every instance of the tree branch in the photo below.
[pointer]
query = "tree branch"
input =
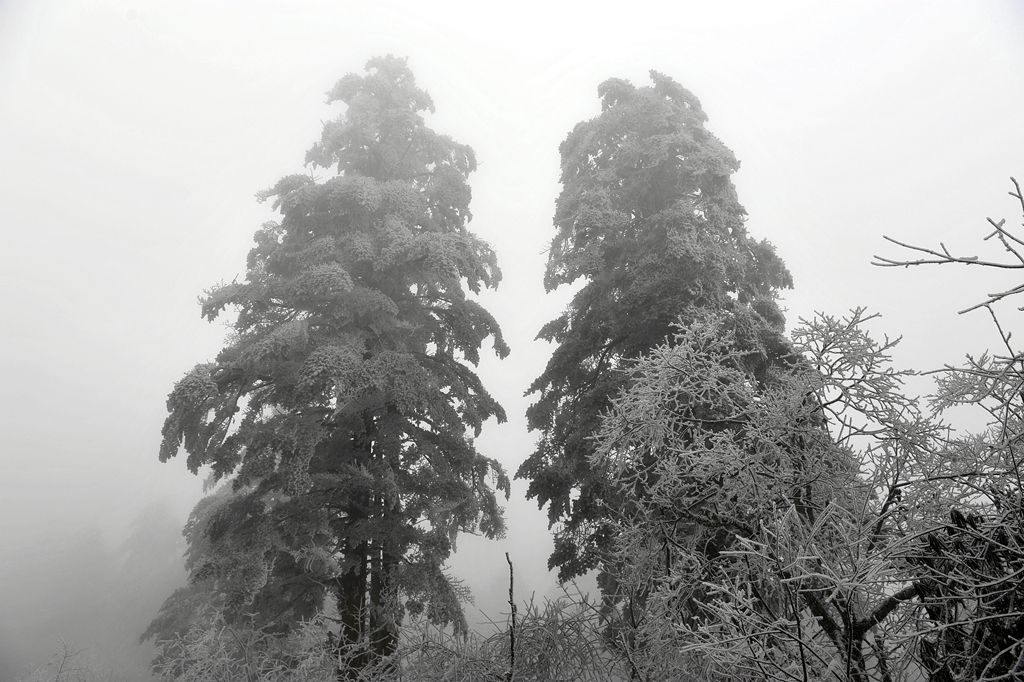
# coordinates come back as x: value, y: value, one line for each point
x: 883, y: 610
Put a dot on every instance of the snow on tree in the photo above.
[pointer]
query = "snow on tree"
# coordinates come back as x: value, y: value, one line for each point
x: 649, y: 220
x: 342, y: 408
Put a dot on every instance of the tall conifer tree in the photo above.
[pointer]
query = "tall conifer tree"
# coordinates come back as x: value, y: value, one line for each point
x: 341, y: 407
x: 649, y: 219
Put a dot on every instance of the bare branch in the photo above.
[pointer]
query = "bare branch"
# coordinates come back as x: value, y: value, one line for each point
x: 942, y: 255
x: 882, y: 611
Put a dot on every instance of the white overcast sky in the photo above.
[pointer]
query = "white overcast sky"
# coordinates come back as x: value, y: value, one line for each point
x: 133, y: 136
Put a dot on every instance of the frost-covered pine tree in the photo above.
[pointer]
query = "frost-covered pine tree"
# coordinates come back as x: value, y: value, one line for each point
x: 341, y: 408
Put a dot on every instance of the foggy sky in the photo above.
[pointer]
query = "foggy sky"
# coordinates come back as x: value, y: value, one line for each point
x: 134, y: 135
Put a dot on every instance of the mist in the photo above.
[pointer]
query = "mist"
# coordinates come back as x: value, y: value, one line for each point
x: 136, y: 134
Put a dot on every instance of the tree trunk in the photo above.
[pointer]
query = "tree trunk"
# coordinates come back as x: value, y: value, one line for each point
x: 351, y: 598
x: 856, y: 665
x: 388, y: 552
x: 383, y: 626
x: 383, y: 611
x: 351, y: 588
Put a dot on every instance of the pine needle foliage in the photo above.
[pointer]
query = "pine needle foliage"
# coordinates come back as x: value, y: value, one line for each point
x: 649, y: 221
x: 343, y: 409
